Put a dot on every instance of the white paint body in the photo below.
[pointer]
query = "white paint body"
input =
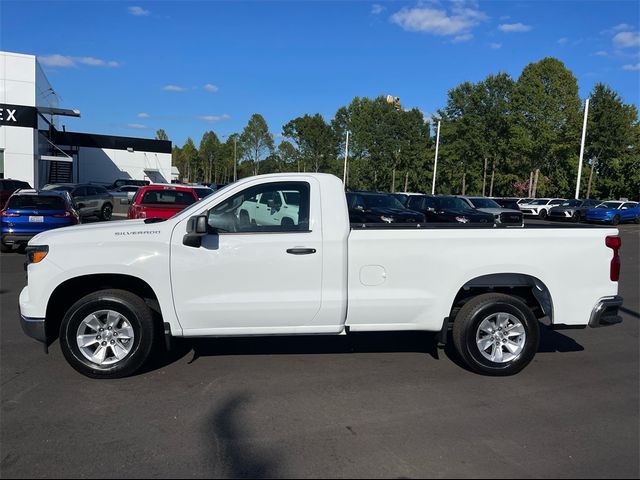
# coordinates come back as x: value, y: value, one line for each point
x: 366, y: 279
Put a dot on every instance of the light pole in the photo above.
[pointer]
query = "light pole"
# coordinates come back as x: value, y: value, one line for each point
x: 435, y: 162
x: 584, y: 133
x: 346, y: 159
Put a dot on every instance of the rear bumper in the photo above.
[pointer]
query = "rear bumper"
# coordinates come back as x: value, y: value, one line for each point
x: 34, y: 328
x: 16, y: 238
x: 605, y: 313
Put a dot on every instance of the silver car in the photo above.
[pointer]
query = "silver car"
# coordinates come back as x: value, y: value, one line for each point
x: 88, y: 200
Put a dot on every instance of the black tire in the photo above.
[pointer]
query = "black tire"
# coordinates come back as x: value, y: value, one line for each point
x: 637, y: 220
x: 467, y: 323
x: 576, y: 217
x: 106, y: 212
x: 5, y: 248
x: 125, y: 303
x: 542, y: 214
x: 287, y: 223
x: 615, y: 220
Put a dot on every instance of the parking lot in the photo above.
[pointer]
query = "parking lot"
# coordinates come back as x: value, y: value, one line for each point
x: 363, y: 405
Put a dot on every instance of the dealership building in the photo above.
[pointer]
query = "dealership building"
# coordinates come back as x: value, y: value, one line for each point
x: 34, y: 148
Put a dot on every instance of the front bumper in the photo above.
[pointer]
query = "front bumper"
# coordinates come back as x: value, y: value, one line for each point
x: 17, y: 238
x: 605, y: 313
x: 34, y: 328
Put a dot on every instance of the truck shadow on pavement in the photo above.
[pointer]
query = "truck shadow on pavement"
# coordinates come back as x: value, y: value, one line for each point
x: 378, y: 342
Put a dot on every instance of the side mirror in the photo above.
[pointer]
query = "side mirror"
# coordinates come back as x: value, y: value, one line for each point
x: 197, y: 228
x: 431, y: 209
x: 125, y: 201
x: 271, y: 203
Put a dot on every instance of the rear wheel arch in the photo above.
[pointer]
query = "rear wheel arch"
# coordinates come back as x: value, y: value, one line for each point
x: 71, y: 290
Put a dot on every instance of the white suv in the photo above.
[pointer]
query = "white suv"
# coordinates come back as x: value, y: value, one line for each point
x: 540, y: 206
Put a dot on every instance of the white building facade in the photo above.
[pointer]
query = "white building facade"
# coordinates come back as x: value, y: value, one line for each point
x: 35, y: 150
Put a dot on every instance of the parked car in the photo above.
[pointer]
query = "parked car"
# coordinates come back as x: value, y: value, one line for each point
x: 191, y: 276
x: 124, y: 194
x: 522, y: 201
x: 161, y: 201
x: 511, y: 203
x: 29, y: 212
x: 614, y: 212
x: 89, y: 200
x: 375, y: 207
x: 540, y: 207
x: 127, y: 181
x: 447, y: 209
x: 273, y: 208
x: 573, y: 210
x: 8, y: 186
x: 500, y: 214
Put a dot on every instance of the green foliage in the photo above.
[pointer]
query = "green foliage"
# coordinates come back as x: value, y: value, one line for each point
x: 161, y: 135
x: 494, y: 135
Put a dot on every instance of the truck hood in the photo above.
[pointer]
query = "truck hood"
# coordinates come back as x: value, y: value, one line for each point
x: 100, y: 231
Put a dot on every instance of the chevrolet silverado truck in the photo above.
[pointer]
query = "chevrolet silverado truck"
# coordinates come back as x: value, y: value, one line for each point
x: 110, y: 291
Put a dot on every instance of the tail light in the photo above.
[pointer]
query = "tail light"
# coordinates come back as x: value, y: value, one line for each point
x: 4, y: 213
x: 614, y: 243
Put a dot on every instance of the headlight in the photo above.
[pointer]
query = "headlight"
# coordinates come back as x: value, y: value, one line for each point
x: 386, y: 219
x: 462, y: 220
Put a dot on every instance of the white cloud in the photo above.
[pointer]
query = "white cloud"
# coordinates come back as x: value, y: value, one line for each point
x: 627, y: 39
x: 563, y: 41
x: 622, y: 26
x: 66, y: 61
x: 377, y: 9
x: 210, y: 87
x: 214, y: 118
x: 495, y: 46
x: 505, y: 17
x: 514, y: 27
x: 143, y: 115
x: 601, y: 53
x: 137, y: 126
x: 632, y: 68
x: 174, y: 88
x: 437, y: 21
x: 139, y: 12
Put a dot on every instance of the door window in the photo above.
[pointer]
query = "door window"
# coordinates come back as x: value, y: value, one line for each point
x: 235, y: 215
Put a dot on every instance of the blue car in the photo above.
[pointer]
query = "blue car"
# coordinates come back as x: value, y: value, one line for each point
x: 29, y: 212
x: 614, y: 212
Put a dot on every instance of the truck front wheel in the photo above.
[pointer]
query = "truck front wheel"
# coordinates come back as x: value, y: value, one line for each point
x: 107, y: 334
x: 496, y: 334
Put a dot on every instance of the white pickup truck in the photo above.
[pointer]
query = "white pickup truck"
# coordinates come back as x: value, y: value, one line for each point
x: 110, y: 290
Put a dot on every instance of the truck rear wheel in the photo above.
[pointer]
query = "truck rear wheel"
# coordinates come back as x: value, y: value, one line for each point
x: 107, y: 334
x: 496, y: 334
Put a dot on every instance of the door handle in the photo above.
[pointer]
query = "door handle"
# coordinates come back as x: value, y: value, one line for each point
x: 301, y: 251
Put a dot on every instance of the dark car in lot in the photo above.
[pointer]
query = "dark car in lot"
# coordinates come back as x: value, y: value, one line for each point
x: 89, y: 200
x: 29, y: 212
x: 202, y: 191
x: 502, y: 215
x: 8, y: 186
x: 127, y: 181
x: 375, y: 207
x: 511, y: 203
x: 447, y: 209
x: 573, y: 210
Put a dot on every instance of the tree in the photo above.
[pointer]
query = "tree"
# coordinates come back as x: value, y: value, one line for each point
x: 315, y: 139
x: 546, y: 127
x: 190, y: 159
x: 161, y: 135
x: 209, y: 152
x: 612, y: 145
x: 256, y: 141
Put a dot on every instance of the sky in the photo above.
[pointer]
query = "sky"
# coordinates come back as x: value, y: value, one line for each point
x: 190, y: 67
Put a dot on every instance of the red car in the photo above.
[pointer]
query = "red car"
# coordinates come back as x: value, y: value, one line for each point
x: 161, y: 201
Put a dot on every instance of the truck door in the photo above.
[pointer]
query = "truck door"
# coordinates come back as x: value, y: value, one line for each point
x: 249, y: 278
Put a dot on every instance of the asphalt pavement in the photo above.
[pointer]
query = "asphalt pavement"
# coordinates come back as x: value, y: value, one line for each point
x: 365, y: 406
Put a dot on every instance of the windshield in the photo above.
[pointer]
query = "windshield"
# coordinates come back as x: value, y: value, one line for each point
x: 540, y: 201
x: 452, y: 203
x: 484, y: 203
x: 614, y: 205
x: 36, y: 202
x: 292, y: 198
x: 381, y: 201
x: 167, y: 197
x: 571, y: 203
x: 203, y: 192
